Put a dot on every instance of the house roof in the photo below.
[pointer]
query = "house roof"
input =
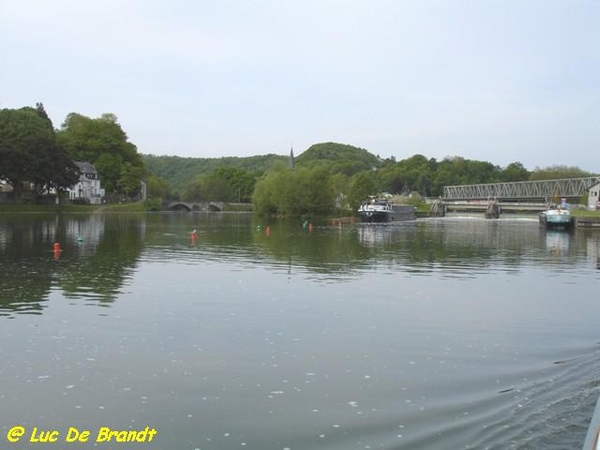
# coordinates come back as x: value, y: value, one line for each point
x: 85, y: 167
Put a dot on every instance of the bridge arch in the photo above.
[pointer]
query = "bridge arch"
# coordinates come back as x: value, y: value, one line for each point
x: 179, y: 206
x: 196, y: 206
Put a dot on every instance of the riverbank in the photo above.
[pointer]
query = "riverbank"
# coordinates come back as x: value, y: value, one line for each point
x: 44, y: 209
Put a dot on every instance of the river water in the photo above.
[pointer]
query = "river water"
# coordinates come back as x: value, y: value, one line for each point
x: 450, y: 333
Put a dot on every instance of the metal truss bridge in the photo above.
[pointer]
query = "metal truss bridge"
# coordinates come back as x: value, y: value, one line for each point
x: 543, y: 190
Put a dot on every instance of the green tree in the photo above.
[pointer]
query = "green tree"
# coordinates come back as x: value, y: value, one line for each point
x: 277, y: 192
x: 461, y: 171
x: 240, y: 182
x: 412, y: 174
x: 158, y: 188
x: 314, y: 192
x: 558, y: 172
x: 103, y: 143
x: 179, y: 172
x: 208, y: 188
x: 515, y: 171
x: 362, y: 185
x: 262, y: 203
x: 338, y: 158
x: 129, y: 179
x: 339, y: 185
x: 29, y: 151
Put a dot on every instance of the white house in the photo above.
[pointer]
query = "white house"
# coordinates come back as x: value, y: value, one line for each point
x: 594, y: 197
x: 88, y: 187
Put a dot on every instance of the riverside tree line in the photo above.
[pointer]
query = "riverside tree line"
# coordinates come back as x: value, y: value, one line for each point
x: 323, y: 178
x: 34, y: 153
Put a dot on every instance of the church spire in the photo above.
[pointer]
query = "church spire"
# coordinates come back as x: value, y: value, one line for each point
x: 292, y: 158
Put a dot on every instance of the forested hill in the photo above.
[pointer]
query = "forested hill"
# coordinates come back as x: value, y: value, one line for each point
x: 340, y: 158
x: 180, y: 172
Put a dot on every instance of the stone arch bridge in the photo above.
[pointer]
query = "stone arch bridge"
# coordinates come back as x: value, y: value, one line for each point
x: 196, y: 206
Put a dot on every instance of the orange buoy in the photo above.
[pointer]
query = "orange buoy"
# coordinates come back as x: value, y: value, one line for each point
x: 56, y: 251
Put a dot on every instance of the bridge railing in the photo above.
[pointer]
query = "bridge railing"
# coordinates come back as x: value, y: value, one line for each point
x: 541, y: 189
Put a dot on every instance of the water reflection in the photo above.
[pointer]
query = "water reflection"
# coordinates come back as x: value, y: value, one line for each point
x: 98, y: 253
x: 444, y: 333
x: 77, y: 254
x: 557, y: 242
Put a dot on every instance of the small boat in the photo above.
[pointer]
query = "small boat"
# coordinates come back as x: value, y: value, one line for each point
x: 383, y: 211
x: 557, y: 216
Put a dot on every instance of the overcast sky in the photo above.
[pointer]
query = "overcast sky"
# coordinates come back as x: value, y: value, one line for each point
x: 490, y: 80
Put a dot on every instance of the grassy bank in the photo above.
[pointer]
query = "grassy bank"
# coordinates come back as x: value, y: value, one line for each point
x: 584, y: 213
x: 125, y: 207
x: 111, y: 207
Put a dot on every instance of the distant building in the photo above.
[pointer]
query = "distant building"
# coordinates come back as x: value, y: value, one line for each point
x: 88, y: 188
x: 594, y: 197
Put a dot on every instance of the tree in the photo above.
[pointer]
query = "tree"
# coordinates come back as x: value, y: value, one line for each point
x: 558, y: 172
x: 208, y: 188
x: 314, y: 192
x: 103, y: 143
x: 29, y: 151
x: 361, y: 186
x: 239, y: 181
x: 515, y: 171
x: 277, y: 192
x: 158, y: 188
x: 129, y: 179
x: 338, y: 158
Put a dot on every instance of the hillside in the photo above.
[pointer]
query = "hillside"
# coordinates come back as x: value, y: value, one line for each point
x: 341, y: 158
x: 179, y: 172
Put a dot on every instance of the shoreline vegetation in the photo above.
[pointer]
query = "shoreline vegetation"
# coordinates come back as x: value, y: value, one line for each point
x: 24, y: 208
x: 328, y: 179
x: 39, y: 161
x: 137, y: 207
x: 71, y: 208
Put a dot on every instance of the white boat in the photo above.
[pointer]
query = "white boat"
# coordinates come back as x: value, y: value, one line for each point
x: 557, y: 216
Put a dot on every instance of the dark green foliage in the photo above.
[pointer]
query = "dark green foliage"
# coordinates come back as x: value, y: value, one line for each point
x: 412, y: 174
x: 209, y: 188
x: 226, y: 184
x: 103, y: 143
x: 29, y: 151
x: 338, y: 158
x: 180, y: 172
x: 460, y: 171
x: 294, y: 193
x: 515, y: 172
x: 362, y: 185
x: 239, y: 182
x: 329, y: 174
x: 157, y: 188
